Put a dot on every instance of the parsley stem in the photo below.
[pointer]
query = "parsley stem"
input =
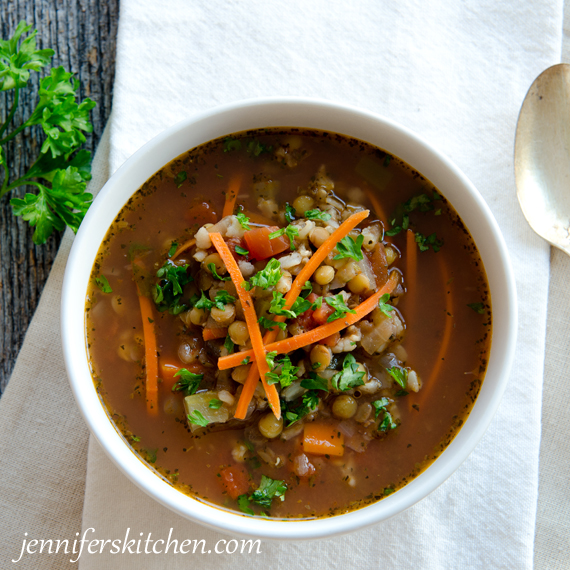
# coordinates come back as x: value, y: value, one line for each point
x: 12, y: 112
x: 19, y: 182
x: 13, y: 133
x: 4, y: 188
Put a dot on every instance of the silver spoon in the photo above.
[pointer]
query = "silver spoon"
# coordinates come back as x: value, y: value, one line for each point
x: 542, y: 156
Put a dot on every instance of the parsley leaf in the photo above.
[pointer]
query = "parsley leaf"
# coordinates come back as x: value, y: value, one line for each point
x: 244, y: 221
x: 290, y: 213
x: 350, y: 376
x: 387, y: 421
x: 317, y: 214
x: 339, y: 306
x: 215, y: 404
x: 349, y: 247
x: 188, y: 383
x: 400, y: 375
x: 180, y: 178
x: 231, y: 144
x: 229, y: 344
x: 167, y: 293
x: 240, y: 250
x: 268, y: 490
x: 424, y: 242
x: 283, y: 372
x: 477, y: 307
x: 270, y: 324
x: 196, y: 417
x: 383, y: 305
x: 243, y: 504
x: 173, y: 248
x: 223, y: 298
x: 214, y: 272
x: 267, y: 277
x: 203, y: 302
x: 290, y: 231
x: 277, y: 306
x: 103, y: 284
x: 315, y: 382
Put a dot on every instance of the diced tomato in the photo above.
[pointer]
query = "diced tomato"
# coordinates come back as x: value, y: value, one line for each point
x: 201, y: 213
x: 321, y: 314
x: 235, y: 481
x: 261, y: 247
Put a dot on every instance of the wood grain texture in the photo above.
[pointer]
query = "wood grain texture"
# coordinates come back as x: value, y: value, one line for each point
x: 83, y: 35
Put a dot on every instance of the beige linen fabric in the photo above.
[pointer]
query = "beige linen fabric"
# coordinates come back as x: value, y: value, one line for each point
x: 43, y: 438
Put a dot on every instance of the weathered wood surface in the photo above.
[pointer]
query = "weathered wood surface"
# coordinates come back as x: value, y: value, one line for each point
x: 83, y: 34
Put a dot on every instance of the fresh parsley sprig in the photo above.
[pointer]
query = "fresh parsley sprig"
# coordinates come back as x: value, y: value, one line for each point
x: 188, y: 383
x: 290, y: 231
x: 317, y: 214
x: 269, y: 276
x: 61, y: 171
x: 339, y: 306
x: 167, y: 292
x: 350, y: 247
x: 350, y: 376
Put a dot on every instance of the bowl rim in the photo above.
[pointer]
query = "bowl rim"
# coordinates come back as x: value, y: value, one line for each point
x: 316, y: 114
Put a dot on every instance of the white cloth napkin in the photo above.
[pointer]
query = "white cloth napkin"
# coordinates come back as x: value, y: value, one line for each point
x: 454, y: 72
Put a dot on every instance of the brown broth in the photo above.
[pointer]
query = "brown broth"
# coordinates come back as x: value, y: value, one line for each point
x: 158, y: 212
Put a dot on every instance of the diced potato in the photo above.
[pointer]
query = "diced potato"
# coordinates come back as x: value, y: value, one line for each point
x: 201, y: 403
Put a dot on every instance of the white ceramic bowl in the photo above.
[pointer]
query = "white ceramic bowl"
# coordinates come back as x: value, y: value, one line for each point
x: 323, y: 115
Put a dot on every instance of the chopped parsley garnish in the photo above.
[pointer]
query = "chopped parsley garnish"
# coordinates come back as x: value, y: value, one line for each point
x: 424, y: 242
x: 215, y: 404
x: 103, y: 284
x: 214, y: 272
x: 290, y: 231
x: 267, y: 277
x: 188, y: 383
x: 387, y: 422
x: 173, y: 249
x: 290, y: 213
x: 241, y: 250
x: 270, y: 324
x: 383, y: 305
x: 268, y: 490
x: 283, y: 372
x: 349, y: 247
x: 317, y: 214
x: 255, y: 148
x: 243, y: 220
x: 350, y: 376
x: 294, y: 411
x: 197, y: 418
x: 315, y: 382
x: 180, y: 178
x: 339, y: 306
x: 167, y: 293
x: 203, y: 302
x: 229, y: 344
x: 231, y: 144
x: 223, y: 298
x: 270, y: 359
x: 277, y: 306
x: 245, y: 360
x: 477, y: 307
x: 400, y: 375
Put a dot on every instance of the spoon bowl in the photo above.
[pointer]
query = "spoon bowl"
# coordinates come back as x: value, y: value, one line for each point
x: 542, y: 156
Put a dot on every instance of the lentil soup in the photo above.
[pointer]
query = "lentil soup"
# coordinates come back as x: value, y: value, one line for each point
x: 325, y: 265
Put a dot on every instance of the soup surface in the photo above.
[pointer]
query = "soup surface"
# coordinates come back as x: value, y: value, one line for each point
x: 325, y: 265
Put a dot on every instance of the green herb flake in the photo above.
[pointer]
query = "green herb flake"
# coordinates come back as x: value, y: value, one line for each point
x: 477, y: 307
x: 240, y: 250
x: 245, y: 360
x: 268, y: 490
x: 400, y: 375
x: 188, y: 383
x: 103, y: 284
x: 214, y: 272
x: 315, y: 382
x: 231, y: 144
x: 180, y: 178
x: 243, y: 504
x: 223, y: 298
x: 290, y: 231
x: 349, y: 247
x: 196, y: 417
x: 243, y: 220
x: 215, y: 404
x: 290, y: 213
x: 383, y: 305
x: 350, y: 376
x: 173, y: 248
x: 269, y: 276
x: 167, y: 292
x: 229, y: 344
x: 339, y: 306
x: 317, y: 214
x: 269, y: 324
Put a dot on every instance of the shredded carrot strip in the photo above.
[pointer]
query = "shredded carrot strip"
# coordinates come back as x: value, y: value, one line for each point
x: 183, y: 247
x: 378, y: 210
x: 411, y: 267
x: 295, y: 342
x: 150, y: 354
x: 443, y: 347
x: 231, y: 196
x: 304, y: 275
x: 250, y: 319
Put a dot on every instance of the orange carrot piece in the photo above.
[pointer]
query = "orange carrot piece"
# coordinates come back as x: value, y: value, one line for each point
x: 234, y: 480
x: 250, y: 319
x: 231, y: 196
x: 150, y: 355
x: 411, y: 267
x: 315, y: 335
x: 323, y: 439
x: 378, y: 210
x: 444, y: 345
x: 304, y: 275
x: 186, y: 245
x: 212, y: 333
